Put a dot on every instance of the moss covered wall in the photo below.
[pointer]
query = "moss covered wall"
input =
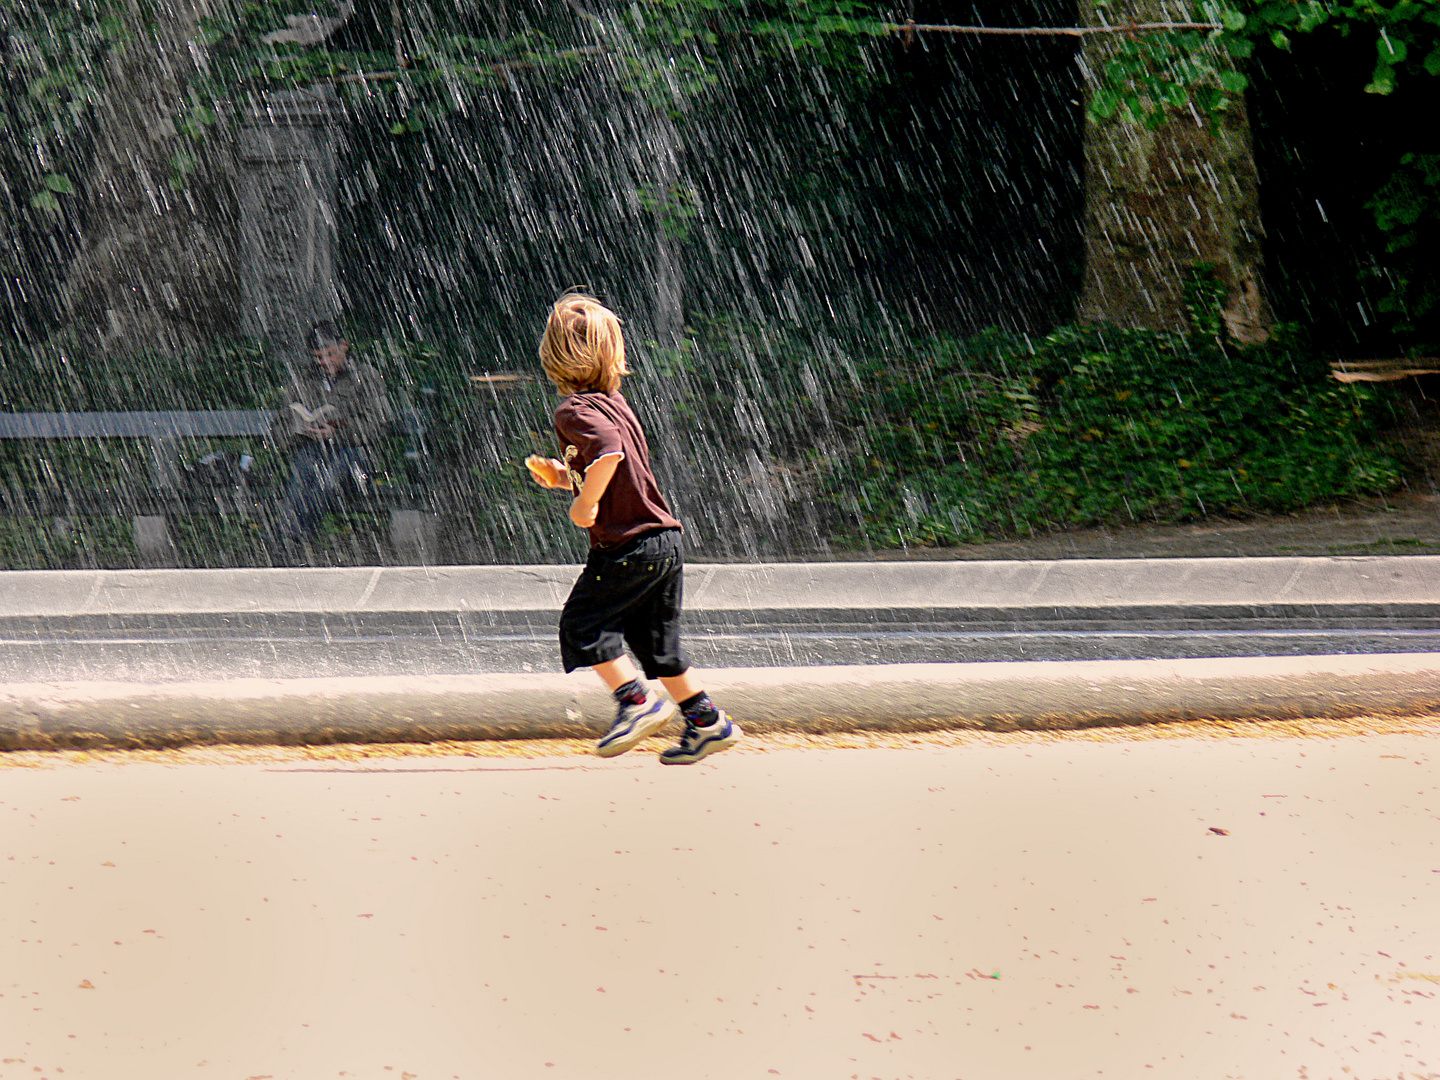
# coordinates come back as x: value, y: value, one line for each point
x: 1158, y: 201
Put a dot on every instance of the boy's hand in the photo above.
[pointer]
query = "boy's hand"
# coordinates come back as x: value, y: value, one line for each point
x: 583, y: 513
x: 548, y: 472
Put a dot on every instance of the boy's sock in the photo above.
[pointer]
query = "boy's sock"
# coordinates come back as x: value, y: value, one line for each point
x: 700, y: 710
x: 632, y: 693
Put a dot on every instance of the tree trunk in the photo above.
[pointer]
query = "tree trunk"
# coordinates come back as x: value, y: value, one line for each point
x: 1157, y: 202
x: 156, y: 269
x: 669, y: 309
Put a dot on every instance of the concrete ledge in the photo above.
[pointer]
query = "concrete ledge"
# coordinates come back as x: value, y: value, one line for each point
x: 901, y: 697
x: 1066, y: 584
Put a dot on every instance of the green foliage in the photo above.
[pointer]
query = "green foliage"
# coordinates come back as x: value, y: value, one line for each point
x: 1407, y: 210
x: 1150, y: 77
x: 84, y: 542
x: 438, y: 56
x: 52, y: 53
x: 819, y: 31
x: 1000, y: 435
x: 66, y: 375
x: 675, y: 207
x: 1151, y: 74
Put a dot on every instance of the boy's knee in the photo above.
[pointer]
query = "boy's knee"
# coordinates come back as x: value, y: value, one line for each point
x: 585, y: 644
x: 569, y: 630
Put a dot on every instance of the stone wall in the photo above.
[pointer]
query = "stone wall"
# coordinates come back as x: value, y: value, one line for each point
x: 244, y: 246
x: 285, y: 168
x: 156, y: 268
x: 1159, y: 201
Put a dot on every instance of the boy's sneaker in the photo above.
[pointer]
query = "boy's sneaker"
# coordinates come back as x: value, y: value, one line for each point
x: 634, y: 723
x: 696, y: 742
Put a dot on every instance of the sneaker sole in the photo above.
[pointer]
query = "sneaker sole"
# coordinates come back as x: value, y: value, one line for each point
x: 643, y: 730
x: 714, y: 746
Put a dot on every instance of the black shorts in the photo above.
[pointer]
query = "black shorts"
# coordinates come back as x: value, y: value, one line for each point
x: 631, y: 596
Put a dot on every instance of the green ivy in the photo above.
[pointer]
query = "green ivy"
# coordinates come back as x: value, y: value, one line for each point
x: 1151, y: 74
x: 66, y: 375
x: 1407, y: 210
x: 1002, y: 435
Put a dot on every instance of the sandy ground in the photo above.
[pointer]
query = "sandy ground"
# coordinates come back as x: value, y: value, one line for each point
x: 1197, y: 900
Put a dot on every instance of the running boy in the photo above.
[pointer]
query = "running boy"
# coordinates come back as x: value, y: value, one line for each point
x: 630, y: 590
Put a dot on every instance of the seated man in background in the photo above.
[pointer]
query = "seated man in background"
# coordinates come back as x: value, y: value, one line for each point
x: 331, y: 419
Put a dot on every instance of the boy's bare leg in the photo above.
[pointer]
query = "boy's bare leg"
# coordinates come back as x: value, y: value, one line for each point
x: 682, y: 687
x: 638, y: 716
x: 617, y: 672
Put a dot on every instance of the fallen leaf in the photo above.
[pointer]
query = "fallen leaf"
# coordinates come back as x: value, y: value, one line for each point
x: 1219, y: 832
x: 1089, y: 1006
x: 107, y: 864
x: 368, y: 915
x: 85, y: 984
x: 872, y: 1038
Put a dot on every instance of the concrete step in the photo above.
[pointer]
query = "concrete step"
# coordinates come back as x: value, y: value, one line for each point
x: 1270, y: 587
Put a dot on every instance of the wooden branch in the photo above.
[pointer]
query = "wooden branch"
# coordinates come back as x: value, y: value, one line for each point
x: 1352, y: 371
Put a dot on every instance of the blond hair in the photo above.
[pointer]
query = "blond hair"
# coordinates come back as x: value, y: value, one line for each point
x: 583, y: 348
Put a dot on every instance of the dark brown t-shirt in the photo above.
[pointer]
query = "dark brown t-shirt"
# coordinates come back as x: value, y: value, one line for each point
x: 592, y: 424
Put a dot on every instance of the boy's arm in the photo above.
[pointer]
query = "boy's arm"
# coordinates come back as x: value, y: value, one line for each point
x: 597, y: 478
